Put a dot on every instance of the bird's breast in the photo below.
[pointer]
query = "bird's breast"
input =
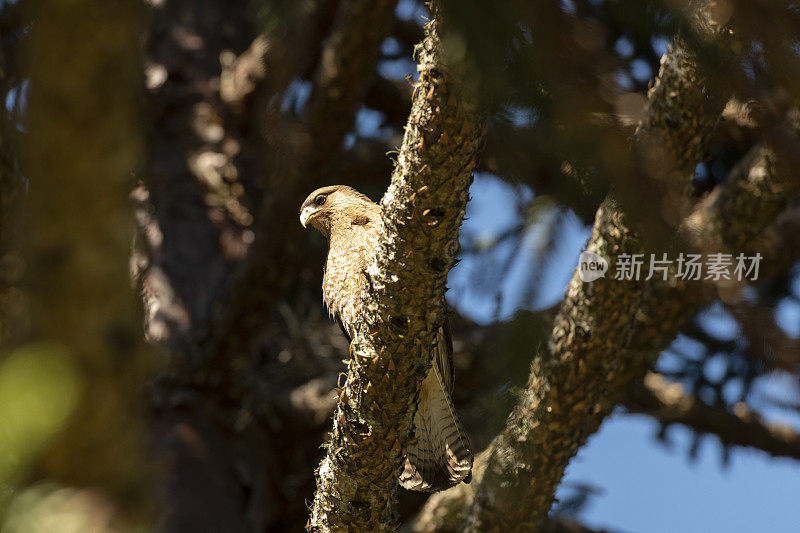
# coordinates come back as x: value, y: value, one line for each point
x: 345, y: 279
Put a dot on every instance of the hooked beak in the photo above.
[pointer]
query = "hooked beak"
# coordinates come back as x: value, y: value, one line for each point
x: 305, y: 214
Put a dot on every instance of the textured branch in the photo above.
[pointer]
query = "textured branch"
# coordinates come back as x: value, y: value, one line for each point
x: 215, y: 264
x: 606, y: 333
x: 423, y: 209
x: 605, y: 336
x: 595, y: 350
x: 758, y: 189
x: 669, y: 403
x: 601, y: 332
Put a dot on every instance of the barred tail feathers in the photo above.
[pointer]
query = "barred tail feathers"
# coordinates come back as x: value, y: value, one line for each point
x: 440, y: 455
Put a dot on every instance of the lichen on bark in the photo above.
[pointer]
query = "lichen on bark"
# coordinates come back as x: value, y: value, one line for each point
x: 606, y: 334
x: 390, y: 354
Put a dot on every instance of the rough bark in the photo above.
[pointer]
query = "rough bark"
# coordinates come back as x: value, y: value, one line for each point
x: 758, y: 189
x: 669, y: 403
x: 606, y: 333
x: 605, y: 336
x: 604, y: 340
x: 224, y: 171
x: 423, y: 209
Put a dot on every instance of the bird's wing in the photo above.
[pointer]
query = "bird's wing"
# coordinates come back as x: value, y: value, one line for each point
x: 440, y: 455
x: 338, y: 320
x: 443, y: 356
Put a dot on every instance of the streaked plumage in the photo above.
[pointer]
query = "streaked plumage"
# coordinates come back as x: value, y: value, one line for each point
x: 440, y: 454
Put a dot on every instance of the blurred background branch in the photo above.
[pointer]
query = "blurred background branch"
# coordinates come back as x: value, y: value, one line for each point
x: 669, y: 404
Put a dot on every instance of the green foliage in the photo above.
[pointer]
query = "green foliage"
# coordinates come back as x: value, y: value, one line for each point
x: 39, y: 388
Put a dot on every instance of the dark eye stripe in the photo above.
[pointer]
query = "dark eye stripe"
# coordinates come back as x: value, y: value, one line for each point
x: 320, y: 199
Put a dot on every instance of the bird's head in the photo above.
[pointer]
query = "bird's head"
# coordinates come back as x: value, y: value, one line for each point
x: 323, y: 207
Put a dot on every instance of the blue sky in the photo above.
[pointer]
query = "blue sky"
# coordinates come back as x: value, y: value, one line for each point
x: 648, y: 487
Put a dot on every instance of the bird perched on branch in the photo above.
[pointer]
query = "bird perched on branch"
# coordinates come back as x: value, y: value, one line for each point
x: 440, y: 454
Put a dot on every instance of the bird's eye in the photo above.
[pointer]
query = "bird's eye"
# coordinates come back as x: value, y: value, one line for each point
x: 320, y: 199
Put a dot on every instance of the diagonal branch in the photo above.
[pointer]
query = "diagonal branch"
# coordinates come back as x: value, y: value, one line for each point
x: 390, y: 354
x: 758, y: 189
x: 606, y: 335
x: 602, y: 329
x: 669, y: 403
x: 594, y: 348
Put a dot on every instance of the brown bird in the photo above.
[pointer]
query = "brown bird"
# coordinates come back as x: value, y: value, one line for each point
x: 440, y: 455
